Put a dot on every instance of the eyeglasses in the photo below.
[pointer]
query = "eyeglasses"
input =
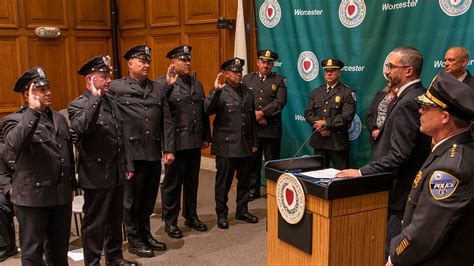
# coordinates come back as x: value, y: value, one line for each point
x: 390, y: 66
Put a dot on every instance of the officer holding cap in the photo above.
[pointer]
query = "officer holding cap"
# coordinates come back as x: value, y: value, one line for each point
x: 101, y: 164
x: 234, y: 139
x: 148, y: 131
x: 438, y: 223
x: 330, y: 111
x: 269, y: 92
x: 186, y: 100
x: 44, y: 178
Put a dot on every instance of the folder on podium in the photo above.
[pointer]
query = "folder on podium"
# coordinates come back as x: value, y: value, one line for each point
x: 321, y: 221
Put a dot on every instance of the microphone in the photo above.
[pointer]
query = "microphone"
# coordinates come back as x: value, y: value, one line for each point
x: 299, y: 149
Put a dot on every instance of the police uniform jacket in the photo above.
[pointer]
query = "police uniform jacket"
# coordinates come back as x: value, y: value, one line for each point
x: 186, y: 102
x: 438, y: 224
x: 148, y: 126
x: 400, y: 148
x: 7, y: 165
x: 100, y: 144
x: 270, y: 98
x: 337, y: 107
x: 44, y: 167
x: 234, y: 132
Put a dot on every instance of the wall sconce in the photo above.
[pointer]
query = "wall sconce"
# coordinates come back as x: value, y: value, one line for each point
x: 223, y: 23
x: 48, y: 32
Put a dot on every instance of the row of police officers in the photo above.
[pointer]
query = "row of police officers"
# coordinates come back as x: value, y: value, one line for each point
x: 122, y: 130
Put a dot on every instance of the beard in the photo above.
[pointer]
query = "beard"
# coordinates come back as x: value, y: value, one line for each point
x: 393, y: 82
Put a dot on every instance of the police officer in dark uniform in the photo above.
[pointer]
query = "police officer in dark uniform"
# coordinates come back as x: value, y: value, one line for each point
x: 101, y: 164
x: 438, y: 223
x: 330, y: 111
x: 186, y: 100
x: 148, y: 131
x: 269, y: 91
x: 44, y: 179
x: 234, y: 139
x: 7, y: 230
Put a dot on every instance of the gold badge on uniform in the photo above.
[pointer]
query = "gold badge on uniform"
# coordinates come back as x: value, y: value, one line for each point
x: 417, y: 179
x: 274, y: 87
x: 338, y: 99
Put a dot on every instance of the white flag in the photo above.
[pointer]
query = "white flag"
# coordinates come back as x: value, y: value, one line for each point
x: 240, y: 45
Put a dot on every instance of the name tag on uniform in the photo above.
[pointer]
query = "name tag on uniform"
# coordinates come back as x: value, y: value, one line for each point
x: 126, y: 95
x: 38, y: 131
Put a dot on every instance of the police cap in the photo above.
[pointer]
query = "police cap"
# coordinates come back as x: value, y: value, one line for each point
x: 36, y: 75
x: 139, y: 51
x: 235, y: 64
x: 267, y: 55
x: 182, y: 52
x: 332, y: 63
x: 96, y: 64
x: 451, y: 95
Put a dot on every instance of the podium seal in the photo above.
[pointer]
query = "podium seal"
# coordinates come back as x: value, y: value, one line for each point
x: 290, y: 198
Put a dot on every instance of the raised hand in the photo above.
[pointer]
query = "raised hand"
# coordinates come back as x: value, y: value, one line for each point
x: 33, y: 98
x: 171, y: 75
x: 218, y: 84
x: 94, y: 90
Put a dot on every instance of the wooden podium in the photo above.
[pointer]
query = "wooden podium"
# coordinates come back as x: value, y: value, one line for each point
x: 348, y: 217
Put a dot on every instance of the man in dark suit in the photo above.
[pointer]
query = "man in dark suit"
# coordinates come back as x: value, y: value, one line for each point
x: 269, y: 92
x: 7, y: 230
x: 456, y: 60
x: 234, y: 139
x: 148, y: 131
x: 186, y: 100
x: 438, y: 223
x: 44, y: 178
x: 330, y: 111
x: 400, y: 148
x: 94, y: 119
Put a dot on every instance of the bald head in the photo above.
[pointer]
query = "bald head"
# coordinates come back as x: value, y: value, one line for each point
x: 456, y: 60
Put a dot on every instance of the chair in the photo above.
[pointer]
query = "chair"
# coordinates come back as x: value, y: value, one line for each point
x: 77, y: 204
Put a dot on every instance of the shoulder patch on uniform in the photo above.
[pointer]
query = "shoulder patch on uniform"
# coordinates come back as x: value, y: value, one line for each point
x: 442, y: 185
x: 402, y: 246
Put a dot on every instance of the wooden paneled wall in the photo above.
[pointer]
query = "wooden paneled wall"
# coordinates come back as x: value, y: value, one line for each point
x: 168, y: 24
x: 85, y: 32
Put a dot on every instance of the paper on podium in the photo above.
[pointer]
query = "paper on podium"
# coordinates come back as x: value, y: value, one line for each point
x: 323, y: 174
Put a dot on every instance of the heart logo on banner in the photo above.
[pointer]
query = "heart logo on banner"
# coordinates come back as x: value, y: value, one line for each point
x: 351, y: 9
x: 270, y: 11
x: 289, y: 195
x: 307, y: 65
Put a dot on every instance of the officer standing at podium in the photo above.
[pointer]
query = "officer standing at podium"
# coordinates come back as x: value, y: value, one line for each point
x: 269, y: 92
x: 438, y: 223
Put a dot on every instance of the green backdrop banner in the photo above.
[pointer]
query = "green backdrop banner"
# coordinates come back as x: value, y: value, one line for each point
x: 304, y: 32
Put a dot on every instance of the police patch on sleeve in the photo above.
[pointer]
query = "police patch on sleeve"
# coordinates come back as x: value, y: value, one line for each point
x: 442, y: 185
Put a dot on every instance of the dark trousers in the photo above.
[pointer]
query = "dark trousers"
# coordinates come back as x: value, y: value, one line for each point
x: 270, y: 149
x: 226, y: 168
x: 102, y: 224
x: 339, y: 159
x: 139, y: 199
x: 44, y: 230
x: 394, y: 228
x: 183, y: 172
x: 7, y: 230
